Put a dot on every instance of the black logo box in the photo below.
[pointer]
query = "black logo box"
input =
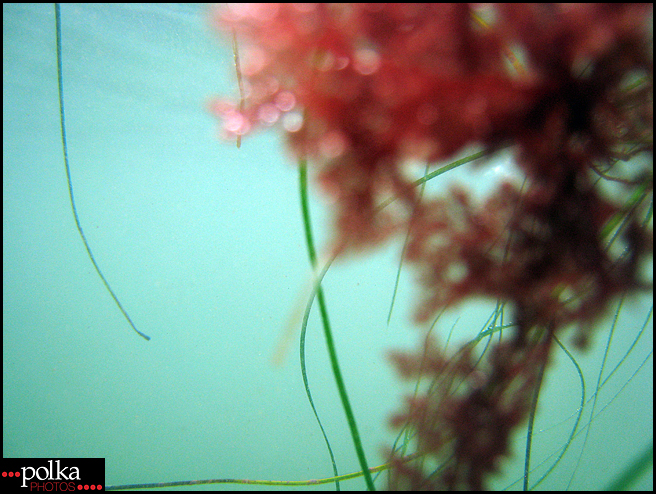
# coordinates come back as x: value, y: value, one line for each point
x: 23, y: 472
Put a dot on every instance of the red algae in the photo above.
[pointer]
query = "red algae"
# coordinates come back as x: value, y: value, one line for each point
x: 363, y: 89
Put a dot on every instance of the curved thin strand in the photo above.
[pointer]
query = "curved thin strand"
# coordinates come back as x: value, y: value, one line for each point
x: 70, y: 183
x: 332, y: 351
x: 312, y: 254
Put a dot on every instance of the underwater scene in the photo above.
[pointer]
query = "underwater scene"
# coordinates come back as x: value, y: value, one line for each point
x: 322, y: 246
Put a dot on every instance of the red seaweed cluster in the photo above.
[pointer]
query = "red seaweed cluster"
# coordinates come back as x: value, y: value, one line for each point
x: 364, y: 89
x: 463, y: 423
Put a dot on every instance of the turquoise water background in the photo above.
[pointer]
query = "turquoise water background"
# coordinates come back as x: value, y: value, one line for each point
x: 203, y: 245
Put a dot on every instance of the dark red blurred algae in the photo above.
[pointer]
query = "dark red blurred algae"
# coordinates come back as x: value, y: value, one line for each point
x: 363, y: 89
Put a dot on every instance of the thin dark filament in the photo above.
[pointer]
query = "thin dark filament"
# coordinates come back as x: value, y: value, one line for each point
x: 579, y: 414
x: 406, y: 241
x: 598, y: 387
x: 531, y: 421
x: 235, y: 51
x: 68, y: 175
x: 295, y: 483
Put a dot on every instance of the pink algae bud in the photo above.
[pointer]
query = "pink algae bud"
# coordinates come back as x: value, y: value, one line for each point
x: 234, y: 122
x: 268, y: 114
x: 366, y: 61
x: 285, y: 101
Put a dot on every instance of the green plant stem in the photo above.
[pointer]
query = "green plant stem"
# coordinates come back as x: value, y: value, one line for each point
x: 339, y: 381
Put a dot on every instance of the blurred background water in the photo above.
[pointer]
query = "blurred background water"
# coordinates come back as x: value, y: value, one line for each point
x: 203, y: 245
